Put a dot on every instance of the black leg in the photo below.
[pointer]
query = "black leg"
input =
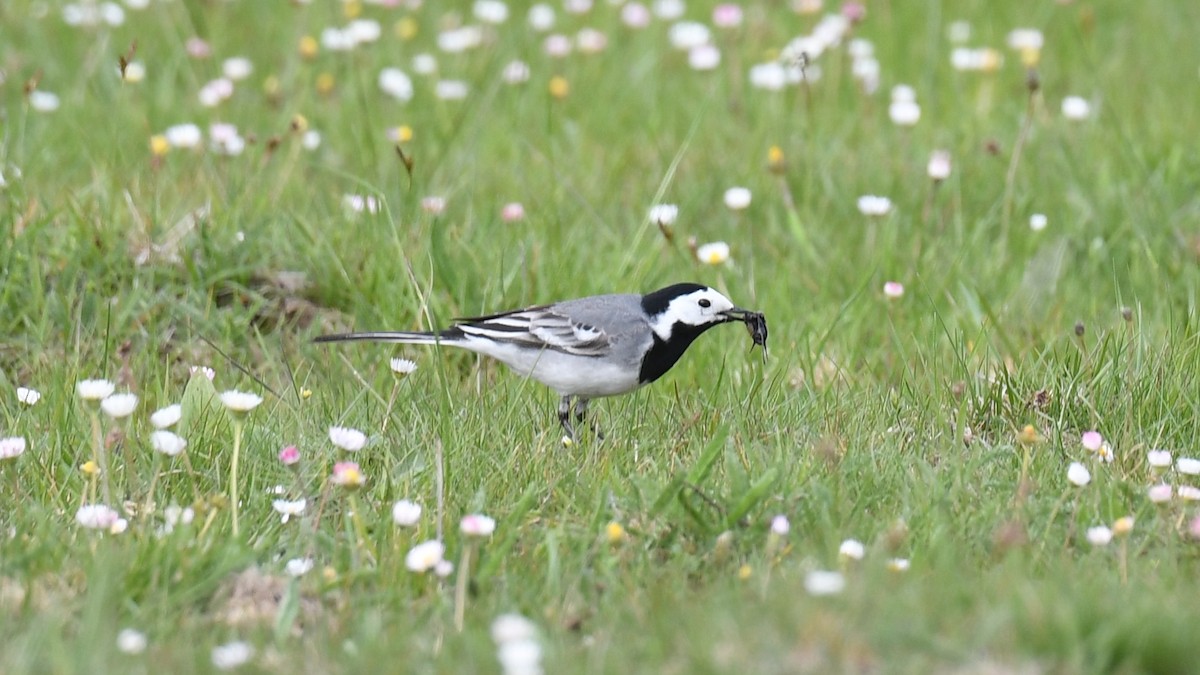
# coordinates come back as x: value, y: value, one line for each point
x: 564, y: 416
x: 581, y: 407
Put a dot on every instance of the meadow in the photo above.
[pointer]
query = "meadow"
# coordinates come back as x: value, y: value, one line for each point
x: 973, y: 228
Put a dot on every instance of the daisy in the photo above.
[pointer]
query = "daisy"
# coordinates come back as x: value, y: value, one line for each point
x: 904, y: 113
x: 347, y: 475
x: 1076, y: 108
x: 591, y: 41
x: 898, y: 564
x: 289, y: 508
x: 433, y: 205
x: 1160, y: 494
x: 1078, y: 474
x: 512, y: 212
x: 424, y: 556
x: 183, y: 136
x: 737, y: 198
x: 424, y: 64
x: 298, y: 567
x: 541, y: 17
x: 460, y: 39
x: 237, y: 68
x: 406, y: 513
x: 727, y: 15
x: 713, y: 253
x: 874, y: 205
x: 1037, y: 222
x: 232, y: 655
x: 119, y: 406
x: 687, y: 35
x: 396, y: 83
x: 130, y: 641
x: 97, y: 516
x: 515, y: 72
x: 1188, y: 465
x: 12, y: 447
x: 664, y: 214
x: 289, y: 456
x: 893, y: 290
x: 557, y: 45
x: 94, y: 390
x: 852, y: 549
x: 1122, y: 526
x: 939, y: 165
x: 167, y: 443
x: 512, y: 628
x: 350, y: 440
x: 822, y: 582
x: 1159, y: 459
x: 402, y: 367
x: 169, y: 416
x: 43, y: 101
x: 363, y: 31
x: 451, y: 90
x: 491, y: 11
x: 477, y: 525
x: 635, y: 15
x: 770, y: 76
x: 780, y: 525
x: 1099, y: 535
x: 240, y: 401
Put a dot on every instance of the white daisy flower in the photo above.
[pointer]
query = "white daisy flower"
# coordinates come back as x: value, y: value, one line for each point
x: 852, y: 549
x: 874, y: 205
x: 664, y: 214
x: 780, y: 525
x: 424, y: 556
x: 167, y: 442
x: 289, y: 508
x: 237, y: 68
x: 232, y: 655
x: 406, y: 513
x: 240, y: 401
x: 350, y: 440
x: 1188, y: 465
x: 96, y: 516
x: 1078, y: 474
x: 94, y: 390
x: 402, y: 367
x: 477, y: 525
x: 12, y: 447
x: 298, y: 567
x: 28, y: 396
x: 1100, y: 535
x: 130, y: 641
x: 713, y: 253
x: 737, y: 198
x: 823, y: 582
x: 167, y: 417
x: 396, y: 83
x: 119, y: 406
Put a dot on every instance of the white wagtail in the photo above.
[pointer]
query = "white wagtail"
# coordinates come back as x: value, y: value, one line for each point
x: 601, y: 345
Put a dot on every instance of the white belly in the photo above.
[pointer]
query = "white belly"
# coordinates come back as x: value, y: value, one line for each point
x: 566, y: 374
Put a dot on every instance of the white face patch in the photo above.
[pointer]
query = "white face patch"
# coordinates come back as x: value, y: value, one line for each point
x: 697, y: 308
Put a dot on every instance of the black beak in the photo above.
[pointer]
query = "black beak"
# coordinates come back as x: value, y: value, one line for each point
x: 736, y: 314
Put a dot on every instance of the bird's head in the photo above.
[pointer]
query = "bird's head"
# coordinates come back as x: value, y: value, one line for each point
x: 690, y: 305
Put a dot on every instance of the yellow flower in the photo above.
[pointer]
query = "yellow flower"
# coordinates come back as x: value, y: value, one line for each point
x: 614, y: 532
x: 308, y: 47
x: 329, y: 574
x: 271, y: 86
x: 775, y: 161
x: 404, y: 133
x: 90, y: 468
x: 306, y: 393
x: 1030, y: 57
x: 1029, y: 435
x: 406, y: 28
x: 325, y: 84
x: 352, y: 8
x: 1123, y: 526
x: 559, y: 87
x: 159, y: 145
x: 990, y: 60
x: 744, y: 572
x: 299, y: 123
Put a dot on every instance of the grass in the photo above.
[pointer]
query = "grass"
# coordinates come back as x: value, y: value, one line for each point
x: 894, y: 422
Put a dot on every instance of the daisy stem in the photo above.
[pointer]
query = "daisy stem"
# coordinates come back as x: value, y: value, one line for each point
x: 1011, y: 178
x: 233, y: 471
x: 100, y: 456
x: 387, y: 414
x: 460, y: 587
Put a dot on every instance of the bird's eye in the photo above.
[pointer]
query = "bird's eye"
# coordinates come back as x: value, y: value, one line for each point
x: 705, y: 302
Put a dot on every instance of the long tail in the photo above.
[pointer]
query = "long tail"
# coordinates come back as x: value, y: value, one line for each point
x: 412, y: 338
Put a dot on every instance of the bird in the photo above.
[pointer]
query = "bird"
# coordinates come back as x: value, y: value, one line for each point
x: 590, y: 347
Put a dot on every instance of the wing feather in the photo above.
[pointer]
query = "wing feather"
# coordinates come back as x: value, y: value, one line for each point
x: 540, y: 328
